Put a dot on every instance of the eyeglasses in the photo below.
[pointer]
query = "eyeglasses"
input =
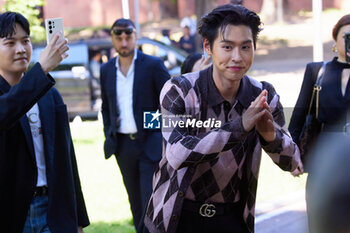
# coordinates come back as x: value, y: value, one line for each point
x: 118, y: 32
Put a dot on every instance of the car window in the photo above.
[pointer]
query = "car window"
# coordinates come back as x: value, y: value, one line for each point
x: 77, y: 55
x: 168, y: 56
x: 153, y: 50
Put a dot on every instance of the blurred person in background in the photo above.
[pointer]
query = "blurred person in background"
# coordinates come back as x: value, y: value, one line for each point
x: 334, y: 97
x: 40, y: 187
x: 187, y: 41
x: 130, y: 85
x: 190, y: 21
x: 95, y: 86
x: 166, y: 37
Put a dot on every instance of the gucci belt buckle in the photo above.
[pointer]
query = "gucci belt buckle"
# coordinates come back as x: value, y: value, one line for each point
x: 207, y: 210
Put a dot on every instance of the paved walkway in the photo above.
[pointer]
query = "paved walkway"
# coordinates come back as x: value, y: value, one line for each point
x: 286, y: 214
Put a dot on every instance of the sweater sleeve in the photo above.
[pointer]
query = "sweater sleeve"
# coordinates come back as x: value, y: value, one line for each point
x: 185, y: 148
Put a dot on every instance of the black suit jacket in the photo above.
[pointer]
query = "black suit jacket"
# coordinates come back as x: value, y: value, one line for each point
x: 18, y: 171
x: 149, y: 78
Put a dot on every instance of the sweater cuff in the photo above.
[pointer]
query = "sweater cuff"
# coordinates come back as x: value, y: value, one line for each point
x: 272, y: 147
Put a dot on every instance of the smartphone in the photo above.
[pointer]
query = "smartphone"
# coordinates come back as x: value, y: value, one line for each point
x: 347, y: 46
x: 53, y: 26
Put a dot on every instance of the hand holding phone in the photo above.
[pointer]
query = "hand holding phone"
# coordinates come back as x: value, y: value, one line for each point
x: 56, y: 48
x: 53, y: 26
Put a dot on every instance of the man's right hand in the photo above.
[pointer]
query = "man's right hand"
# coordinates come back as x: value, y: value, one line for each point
x: 259, y: 115
x: 53, y: 54
x: 201, y: 64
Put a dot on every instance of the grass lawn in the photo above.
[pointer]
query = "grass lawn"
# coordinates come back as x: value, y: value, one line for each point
x: 102, y: 184
x: 104, y: 192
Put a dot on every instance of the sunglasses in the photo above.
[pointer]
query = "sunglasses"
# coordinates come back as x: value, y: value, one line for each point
x: 118, y: 32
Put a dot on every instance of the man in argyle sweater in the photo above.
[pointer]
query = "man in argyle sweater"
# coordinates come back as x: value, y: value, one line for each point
x: 215, y: 123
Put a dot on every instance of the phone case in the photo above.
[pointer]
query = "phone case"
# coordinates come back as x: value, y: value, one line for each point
x: 347, y: 46
x: 53, y: 26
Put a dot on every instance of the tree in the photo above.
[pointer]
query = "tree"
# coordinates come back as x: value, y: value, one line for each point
x: 203, y: 7
x: 29, y: 9
x: 168, y: 8
x: 273, y: 10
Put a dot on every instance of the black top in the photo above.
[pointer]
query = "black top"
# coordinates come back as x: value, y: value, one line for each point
x: 332, y: 106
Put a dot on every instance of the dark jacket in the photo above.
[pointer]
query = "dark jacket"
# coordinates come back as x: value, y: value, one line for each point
x: 149, y: 78
x: 18, y: 171
x: 332, y: 106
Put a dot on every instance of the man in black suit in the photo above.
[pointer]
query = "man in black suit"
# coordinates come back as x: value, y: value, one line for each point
x: 130, y: 86
x: 39, y: 182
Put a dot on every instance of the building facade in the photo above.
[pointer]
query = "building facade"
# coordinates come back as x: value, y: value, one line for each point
x: 82, y: 13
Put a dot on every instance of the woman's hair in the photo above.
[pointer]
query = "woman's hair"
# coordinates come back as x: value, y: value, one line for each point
x: 187, y: 65
x: 229, y: 14
x: 345, y: 20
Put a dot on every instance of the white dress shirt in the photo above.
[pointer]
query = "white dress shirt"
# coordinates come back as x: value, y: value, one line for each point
x: 125, y: 97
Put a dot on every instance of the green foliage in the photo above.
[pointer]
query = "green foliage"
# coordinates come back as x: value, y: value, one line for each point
x: 110, y: 227
x: 28, y: 9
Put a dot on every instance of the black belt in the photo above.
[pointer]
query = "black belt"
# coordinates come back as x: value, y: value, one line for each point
x: 209, y: 209
x: 41, y: 191
x: 131, y: 136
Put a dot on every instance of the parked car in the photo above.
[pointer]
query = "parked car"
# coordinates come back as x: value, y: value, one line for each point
x: 77, y: 79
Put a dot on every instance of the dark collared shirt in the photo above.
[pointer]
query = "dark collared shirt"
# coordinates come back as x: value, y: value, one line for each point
x: 216, y: 163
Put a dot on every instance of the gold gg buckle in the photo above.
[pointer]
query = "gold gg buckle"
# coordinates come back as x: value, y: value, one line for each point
x: 207, y: 210
x: 132, y: 136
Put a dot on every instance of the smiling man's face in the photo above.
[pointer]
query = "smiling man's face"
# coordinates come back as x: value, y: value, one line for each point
x: 15, y: 52
x: 232, y: 52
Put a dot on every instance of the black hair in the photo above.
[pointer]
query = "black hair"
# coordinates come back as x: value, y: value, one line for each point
x: 124, y: 23
x: 228, y: 14
x: 8, y: 22
x: 188, y: 63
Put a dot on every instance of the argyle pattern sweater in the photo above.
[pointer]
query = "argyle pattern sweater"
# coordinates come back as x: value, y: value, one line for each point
x: 216, y: 163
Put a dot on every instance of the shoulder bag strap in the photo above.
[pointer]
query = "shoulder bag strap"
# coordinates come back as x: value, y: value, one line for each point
x: 317, y: 88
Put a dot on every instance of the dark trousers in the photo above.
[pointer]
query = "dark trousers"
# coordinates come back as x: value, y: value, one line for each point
x: 192, y: 222
x: 137, y: 172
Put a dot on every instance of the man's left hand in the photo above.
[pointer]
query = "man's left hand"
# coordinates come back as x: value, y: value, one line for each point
x: 265, y: 124
x: 259, y: 115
